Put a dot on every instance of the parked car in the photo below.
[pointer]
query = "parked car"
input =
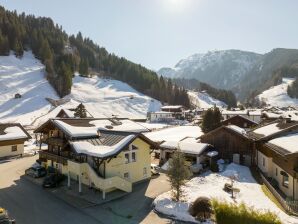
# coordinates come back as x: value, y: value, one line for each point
x: 4, y: 218
x: 53, y: 180
x: 36, y: 171
x: 155, y: 169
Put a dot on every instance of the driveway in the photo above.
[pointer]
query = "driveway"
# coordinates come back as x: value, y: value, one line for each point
x: 134, y: 207
x: 28, y: 203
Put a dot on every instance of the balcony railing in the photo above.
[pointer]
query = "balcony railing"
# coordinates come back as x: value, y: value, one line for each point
x: 56, y: 141
x: 51, y: 156
x: 290, y: 206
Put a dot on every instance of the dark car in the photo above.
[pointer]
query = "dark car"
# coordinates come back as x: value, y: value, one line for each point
x: 53, y: 180
x: 36, y: 171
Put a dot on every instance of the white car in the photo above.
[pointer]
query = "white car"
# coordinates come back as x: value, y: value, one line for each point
x: 155, y: 169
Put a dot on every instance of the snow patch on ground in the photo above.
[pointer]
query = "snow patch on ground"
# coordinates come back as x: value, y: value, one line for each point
x: 211, y: 185
x: 278, y: 96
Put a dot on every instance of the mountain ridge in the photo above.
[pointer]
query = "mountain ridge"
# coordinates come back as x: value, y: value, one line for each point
x: 245, y: 73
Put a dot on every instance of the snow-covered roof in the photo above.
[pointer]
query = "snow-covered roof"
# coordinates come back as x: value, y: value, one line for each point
x: 288, y: 142
x: 174, y: 133
x: 192, y: 148
x: 92, y: 127
x: 237, y: 129
x: 272, y: 115
x: 172, y: 107
x: 187, y: 147
x: 161, y: 112
x: 255, y: 113
x: 75, y: 131
x: 234, y: 112
x: 267, y: 130
x: 12, y: 133
x: 100, y: 151
x: 153, y: 126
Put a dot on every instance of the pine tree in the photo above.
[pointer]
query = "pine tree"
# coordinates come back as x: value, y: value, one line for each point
x: 207, y: 121
x: 211, y: 119
x: 178, y: 174
x: 18, y: 48
x: 84, y: 68
x: 80, y: 111
x: 216, y: 118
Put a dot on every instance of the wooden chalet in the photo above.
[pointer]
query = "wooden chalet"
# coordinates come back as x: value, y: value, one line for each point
x: 232, y: 143
x: 240, y: 121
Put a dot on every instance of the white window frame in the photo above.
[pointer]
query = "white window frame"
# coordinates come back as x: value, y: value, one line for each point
x: 129, y: 153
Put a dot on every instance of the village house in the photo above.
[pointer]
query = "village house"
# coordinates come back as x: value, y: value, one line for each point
x: 176, y: 110
x: 254, y: 115
x: 232, y: 143
x: 160, y: 116
x: 240, y: 121
x: 12, y: 138
x: 105, y: 154
x: 277, y: 155
x: 65, y: 113
x: 194, y: 151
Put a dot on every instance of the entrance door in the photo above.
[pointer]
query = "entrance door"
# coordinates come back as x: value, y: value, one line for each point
x: 236, y: 158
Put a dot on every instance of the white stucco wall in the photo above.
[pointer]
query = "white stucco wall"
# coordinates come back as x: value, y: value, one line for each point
x: 7, y: 150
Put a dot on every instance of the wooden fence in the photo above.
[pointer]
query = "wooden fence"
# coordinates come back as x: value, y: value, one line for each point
x: 290, y: 206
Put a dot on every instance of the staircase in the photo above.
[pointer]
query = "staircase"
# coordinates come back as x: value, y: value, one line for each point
x: 104, y: 184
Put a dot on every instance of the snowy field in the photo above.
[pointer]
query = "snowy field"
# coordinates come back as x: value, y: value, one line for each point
x: 101, y: 97
x: 278, y: 96
x: 203, y: 100
x: 211, y: 185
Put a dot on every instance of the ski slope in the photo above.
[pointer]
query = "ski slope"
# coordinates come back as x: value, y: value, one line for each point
x: 102, y: 97
x: 278, y: 96
x: 26, y: 77
x: 203, y: 100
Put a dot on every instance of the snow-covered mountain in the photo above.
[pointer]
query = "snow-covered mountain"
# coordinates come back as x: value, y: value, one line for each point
x: 204, y: 100
x: 278, y: 96
x: 222, y: 69
x: 101, y: 97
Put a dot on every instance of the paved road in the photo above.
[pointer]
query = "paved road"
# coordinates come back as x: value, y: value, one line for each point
x: 28, y: 203
x: 134, y: 207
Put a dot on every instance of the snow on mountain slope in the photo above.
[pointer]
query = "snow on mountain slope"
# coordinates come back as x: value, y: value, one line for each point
x: 104, y: 97
x: 222, y: 69
x: 101, y: 97
x: 278, y: 96
x: 26, y: 77
x: 203, y: 100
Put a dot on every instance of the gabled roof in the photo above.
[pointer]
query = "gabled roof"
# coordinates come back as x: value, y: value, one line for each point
x: 13, y: 131
x: 229, y: 129
x: 108, y: 143
x: 241, y: 117
x: 271, y: 130
x: 88, y: 127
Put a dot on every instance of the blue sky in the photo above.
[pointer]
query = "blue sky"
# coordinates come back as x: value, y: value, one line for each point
x: 158, y: 33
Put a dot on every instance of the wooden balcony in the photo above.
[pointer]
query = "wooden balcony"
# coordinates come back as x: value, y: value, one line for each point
x: 51, y: 156
x: 56, y: 141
